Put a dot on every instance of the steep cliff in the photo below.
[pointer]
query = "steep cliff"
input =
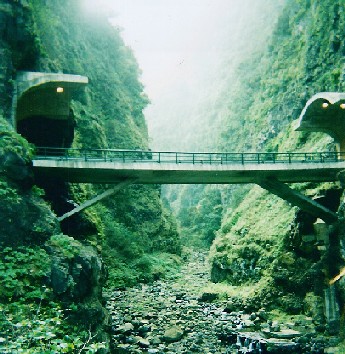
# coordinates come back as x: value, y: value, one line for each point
x: 58, y: 270
x: 263, y: 241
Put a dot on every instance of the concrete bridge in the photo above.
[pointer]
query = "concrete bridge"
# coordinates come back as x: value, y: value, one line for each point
x: 147, y: 167
x: 269, y: 170
x: 42, y: 113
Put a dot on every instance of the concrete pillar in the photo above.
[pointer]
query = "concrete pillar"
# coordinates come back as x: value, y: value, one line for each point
x: 332, y: 312
x: 322, y: 234
x: 341, y: 148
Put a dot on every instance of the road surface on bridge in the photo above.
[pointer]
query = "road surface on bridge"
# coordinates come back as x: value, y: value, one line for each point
x: 147, y: 167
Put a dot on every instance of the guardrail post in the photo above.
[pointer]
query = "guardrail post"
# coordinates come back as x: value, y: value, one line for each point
x: 258, y: 157
x: 210, y: 159
x: 123, y: 156
x: 176, y: 157
x: 159, y: 157
x: 289, y: 154
x: 242, y: 158
x: 193, y: 157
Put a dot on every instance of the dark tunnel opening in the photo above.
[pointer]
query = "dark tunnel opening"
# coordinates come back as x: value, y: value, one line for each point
x: 47, y: 132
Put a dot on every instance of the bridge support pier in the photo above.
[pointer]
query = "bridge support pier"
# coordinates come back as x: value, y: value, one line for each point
x: 298, y: 199
x: 95, y: 200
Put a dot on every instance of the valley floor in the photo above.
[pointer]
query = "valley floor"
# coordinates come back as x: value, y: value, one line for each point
x: 177, y: 315
x: 167, y: 316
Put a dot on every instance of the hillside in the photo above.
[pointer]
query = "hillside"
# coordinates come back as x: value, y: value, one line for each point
x: 264, y: 249
x: 55, y: 273
x: 303, y: 57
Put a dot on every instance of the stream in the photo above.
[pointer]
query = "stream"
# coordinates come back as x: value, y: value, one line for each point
x: 175, y: 316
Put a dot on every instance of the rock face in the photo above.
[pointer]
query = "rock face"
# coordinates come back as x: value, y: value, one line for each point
x: 25, y: 220
x: 77, y: 276
x: 16, y: 168
x: 18, y: 49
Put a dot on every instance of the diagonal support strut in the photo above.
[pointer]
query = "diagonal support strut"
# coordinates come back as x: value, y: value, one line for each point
x: 96, y: 199
x: 298, y: 199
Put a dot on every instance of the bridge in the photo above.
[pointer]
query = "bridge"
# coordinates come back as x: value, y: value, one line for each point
x: 42, y: 113
x: 269, y: 170
x: 147, y: 167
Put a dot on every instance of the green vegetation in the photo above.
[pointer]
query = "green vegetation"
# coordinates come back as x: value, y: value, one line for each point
x: 30, y: 319
x: 109, y: 114
x: 128, y: 238
x: 53, y: 274
x: 256, y: 243
x: 254, y: 107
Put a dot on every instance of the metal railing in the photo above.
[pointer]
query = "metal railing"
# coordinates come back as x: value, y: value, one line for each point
x: 116, y: 155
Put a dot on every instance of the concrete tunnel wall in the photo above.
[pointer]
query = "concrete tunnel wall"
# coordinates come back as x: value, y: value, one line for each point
x: 325, y: 112
x: 41, y: 107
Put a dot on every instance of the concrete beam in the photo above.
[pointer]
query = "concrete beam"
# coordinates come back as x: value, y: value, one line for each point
x: 95, y: 200
x: 298, y: 199
x: 28, y: 80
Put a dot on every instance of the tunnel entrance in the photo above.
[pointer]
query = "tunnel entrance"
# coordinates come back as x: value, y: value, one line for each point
x: 45, y: 132
x: 42, y: 112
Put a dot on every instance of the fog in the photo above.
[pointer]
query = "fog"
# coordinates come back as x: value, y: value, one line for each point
x: 180, y: 46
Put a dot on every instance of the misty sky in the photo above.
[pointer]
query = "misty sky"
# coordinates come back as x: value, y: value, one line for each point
x: 186, y: 49
x: 166, y: 35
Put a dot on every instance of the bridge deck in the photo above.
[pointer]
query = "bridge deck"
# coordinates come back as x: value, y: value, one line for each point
x: 114, y: 166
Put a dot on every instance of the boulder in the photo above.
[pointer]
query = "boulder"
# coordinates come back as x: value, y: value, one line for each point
x: 208, y: 297
x: 173, y: 334
x: 77, y: 270
x: 125, y: 328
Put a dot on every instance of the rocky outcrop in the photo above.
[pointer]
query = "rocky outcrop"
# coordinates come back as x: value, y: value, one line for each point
x: 26, y: 219
x: 16, y: 168
x: 77, y: 277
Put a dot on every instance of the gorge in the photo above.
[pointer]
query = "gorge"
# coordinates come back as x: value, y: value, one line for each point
x: 205, y: 268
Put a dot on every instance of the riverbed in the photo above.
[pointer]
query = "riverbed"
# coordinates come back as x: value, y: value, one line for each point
x: 177, y: 315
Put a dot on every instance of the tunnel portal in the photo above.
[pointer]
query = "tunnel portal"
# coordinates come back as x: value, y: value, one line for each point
x: 325, y: 112
x: 41, y: 131
x: 42, y: 112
